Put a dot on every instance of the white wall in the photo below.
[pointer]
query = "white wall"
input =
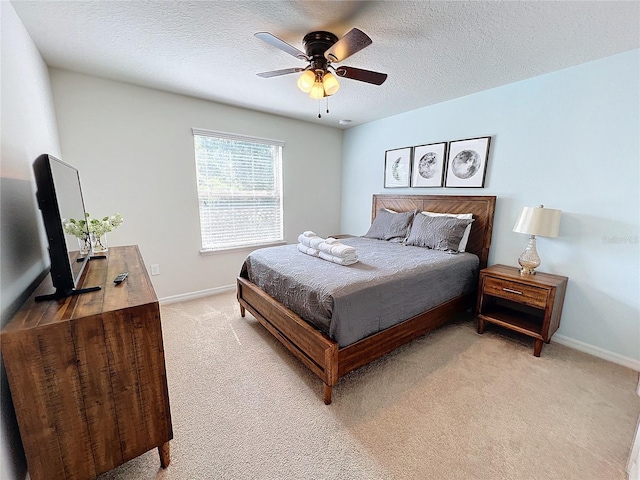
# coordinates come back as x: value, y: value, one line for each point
x: 134, y: 149
x: 568, y: 140
x: 28, y: 129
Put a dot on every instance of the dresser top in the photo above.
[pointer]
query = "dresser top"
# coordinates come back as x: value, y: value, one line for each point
x: 136, y: 290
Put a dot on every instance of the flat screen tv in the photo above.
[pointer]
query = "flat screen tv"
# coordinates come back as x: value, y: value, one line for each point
x: 59, y: 196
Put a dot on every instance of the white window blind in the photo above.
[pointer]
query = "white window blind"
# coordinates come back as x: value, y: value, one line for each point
x: 239, y: 189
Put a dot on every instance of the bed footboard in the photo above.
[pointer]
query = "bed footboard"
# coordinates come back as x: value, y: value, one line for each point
x: 317, y: 351
x: 321, y: 354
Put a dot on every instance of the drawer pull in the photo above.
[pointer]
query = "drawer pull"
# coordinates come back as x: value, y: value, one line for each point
x: 512, y: 291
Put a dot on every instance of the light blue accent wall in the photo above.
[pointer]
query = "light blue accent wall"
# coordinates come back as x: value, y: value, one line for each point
x: 569, y: 140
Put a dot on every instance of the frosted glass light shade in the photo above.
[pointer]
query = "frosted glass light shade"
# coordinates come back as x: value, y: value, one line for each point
x: 330, y: 83
x: 306, y: 81
x: 317, y: 91
x: 544, y: 222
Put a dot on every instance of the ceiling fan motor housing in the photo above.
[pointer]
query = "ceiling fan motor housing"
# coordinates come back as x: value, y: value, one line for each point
x: 322, y: 50
x: 315, y: 44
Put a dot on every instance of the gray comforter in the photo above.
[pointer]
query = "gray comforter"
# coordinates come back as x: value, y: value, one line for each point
x: 390, y: 283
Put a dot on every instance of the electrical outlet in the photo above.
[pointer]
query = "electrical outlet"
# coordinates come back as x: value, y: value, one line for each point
x: 155, y: 269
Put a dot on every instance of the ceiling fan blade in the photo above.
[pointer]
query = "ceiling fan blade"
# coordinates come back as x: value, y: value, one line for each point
x: 354, y: 41
x: 282, y: 45
x: 277, y: 73
x: 368, y: 76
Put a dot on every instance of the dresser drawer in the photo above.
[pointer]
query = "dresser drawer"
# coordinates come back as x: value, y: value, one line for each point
x: 518, y: 292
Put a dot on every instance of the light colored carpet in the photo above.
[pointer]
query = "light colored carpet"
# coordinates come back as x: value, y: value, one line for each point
x: 451, y: 405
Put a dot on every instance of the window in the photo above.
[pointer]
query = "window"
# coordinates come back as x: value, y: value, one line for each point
x: 239, y: 190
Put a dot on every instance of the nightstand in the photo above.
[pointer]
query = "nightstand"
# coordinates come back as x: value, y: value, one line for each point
x: 341, y: 236
x: 529, y: 304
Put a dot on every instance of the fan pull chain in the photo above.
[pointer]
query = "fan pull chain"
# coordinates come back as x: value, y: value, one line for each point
x: 319, y: 115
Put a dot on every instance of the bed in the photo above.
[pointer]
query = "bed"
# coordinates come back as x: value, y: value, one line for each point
x: 322, y: 348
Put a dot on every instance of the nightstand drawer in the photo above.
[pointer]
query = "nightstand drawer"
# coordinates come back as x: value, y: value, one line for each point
x: 518, y: 292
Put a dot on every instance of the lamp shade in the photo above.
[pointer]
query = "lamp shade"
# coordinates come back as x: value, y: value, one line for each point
x: 330, y: 83
x: 305, y: 82
x: 541, y: 221
x: 317, y: 91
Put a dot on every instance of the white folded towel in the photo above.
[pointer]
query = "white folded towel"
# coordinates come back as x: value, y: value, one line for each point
x: 325, y: 256
x: 337, y: 249
x: 310, y: 241
x: 328, y: 249
x: 308, y: 250
x: 314, y: 242
x: 338, y: 260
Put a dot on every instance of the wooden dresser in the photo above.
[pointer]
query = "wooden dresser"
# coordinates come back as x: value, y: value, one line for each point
x: 87, y: 373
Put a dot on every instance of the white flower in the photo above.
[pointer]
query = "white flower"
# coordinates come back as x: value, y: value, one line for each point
x: 73, y: 227
x: 78, y: 228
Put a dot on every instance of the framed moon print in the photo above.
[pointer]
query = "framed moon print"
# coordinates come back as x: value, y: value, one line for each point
x: 428, y: 165
x: 397, y: 167
x: 467, y: 163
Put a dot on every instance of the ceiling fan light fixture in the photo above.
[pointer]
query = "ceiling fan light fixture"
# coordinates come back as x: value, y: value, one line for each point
x: 330, y: 83
x: 321, y: 49
x: 306, y: 81
x: 317, y: 91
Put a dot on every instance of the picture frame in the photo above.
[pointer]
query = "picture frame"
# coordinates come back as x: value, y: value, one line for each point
x: 467, y: 162
x: 428, y: 163
x: 397, y: 167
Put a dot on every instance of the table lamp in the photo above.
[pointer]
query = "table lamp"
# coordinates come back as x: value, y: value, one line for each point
x: 533, y: 221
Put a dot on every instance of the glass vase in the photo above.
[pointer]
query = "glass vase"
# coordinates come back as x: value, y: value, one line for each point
x: 84, y: 245
x: 99, y: 243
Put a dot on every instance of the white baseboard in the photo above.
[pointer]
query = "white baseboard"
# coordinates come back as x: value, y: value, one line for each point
x: 183, y: 297
x: 633, y: 466
x: 598, y: 352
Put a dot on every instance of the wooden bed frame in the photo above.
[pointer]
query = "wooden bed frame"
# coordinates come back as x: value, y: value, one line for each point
x: 320, y: 353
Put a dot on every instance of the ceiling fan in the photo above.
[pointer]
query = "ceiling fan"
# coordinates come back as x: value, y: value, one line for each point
x: 322, y: 50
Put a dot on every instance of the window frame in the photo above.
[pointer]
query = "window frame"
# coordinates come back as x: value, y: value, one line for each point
x: 279, y: 181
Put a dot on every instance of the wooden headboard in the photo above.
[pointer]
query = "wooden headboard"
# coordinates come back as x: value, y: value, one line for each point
x: 482, y: 207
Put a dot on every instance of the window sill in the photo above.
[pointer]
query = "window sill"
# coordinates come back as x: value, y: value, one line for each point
x: 237, y: 249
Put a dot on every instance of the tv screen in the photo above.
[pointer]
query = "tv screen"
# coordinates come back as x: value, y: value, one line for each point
x: 59, y: 198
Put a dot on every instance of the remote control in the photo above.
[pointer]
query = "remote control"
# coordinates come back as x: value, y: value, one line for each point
x: 120, y: 278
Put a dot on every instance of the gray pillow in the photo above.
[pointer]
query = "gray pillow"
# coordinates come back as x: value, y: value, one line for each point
x: 390, y: 226
x: 439, y: 233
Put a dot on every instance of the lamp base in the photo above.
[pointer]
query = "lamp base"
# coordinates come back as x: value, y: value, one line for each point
x: 527, y: 271
x: 529, y: 259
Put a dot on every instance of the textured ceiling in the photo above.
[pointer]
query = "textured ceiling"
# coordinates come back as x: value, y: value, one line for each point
x: 433, y: 51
